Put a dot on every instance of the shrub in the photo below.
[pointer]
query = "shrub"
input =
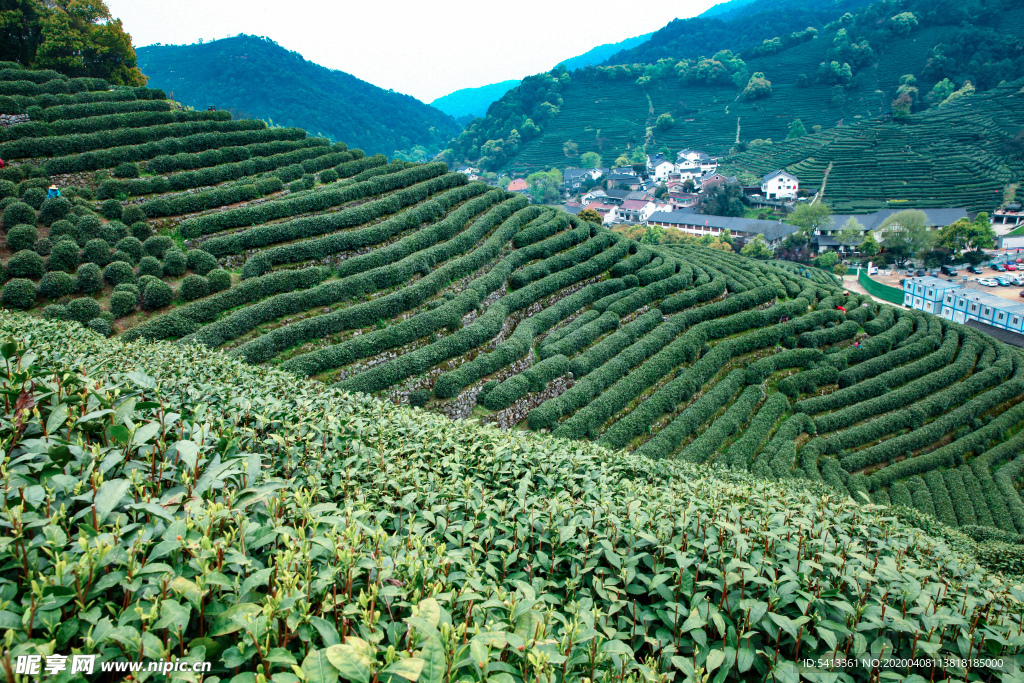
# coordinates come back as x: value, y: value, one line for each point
x: 26, y: 264
x: 113, y: 232
x: 56, y: 284
x: 7, y: 189
x: 19, y: 293
x: 63, y: 228
x: 96, y: 251
x: 419, y: 398
x: 145, y: 281
x: 150, y: 265
x: 55, y: 312
x: 256, y: 266
x: 87, y: 227
x: 328, y: 176
x: 64, y: 256
x: 174, y: 262
x: 118, y: 272
x: 219, y: 279
x: 22, y: 236
x: 111, y: 209
x: 101, y: 326
x: 126, y: 170
x: 131, y: 246
x: 194, y: 287
x: 297, y: 186
x: 200, y: 262
x: 157, y: 295
x: 127, y: 287
x: 157, y: 245
x: 141, y: 231
x: 43, y: 246
x: 18, y: 213
x: 89, y: 278
x: 83, y: 309
x: 34, y: 197
x: 133, y: 214
x: 54, y: 209
x: 123, y: 303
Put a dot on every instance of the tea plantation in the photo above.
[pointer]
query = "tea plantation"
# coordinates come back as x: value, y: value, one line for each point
x: 963, y: 153
x: 207, y: 506
x: 164, y: 501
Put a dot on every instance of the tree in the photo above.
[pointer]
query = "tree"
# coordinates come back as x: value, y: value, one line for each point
x: 724, y: 199
x: 544, y: 186
x: 956, y: 236
x: 982, y: 235
x: 869, y: 247
x: 757, y: 248
x: 811, y: 218
x: 570, y: 148
x: 903, y: 23
x: 664, y: 122
x: 758, y: 87
x: 719, y: 245
x: 590, y: 215
x: 851, y: 231
x: 796, y: 129
x: 940, y: 91
x: 827, y: 260
x: 839, y: 269
x: 653, y: 235
x: 74, y: 37
x: 590, y: 160
x: 689, y: 185
x: 622, y: 161
x: 905, y: 235
x: 901, y: 107
x: 660, y: 191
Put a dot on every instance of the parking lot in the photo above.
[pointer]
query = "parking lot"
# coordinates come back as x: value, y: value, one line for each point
x: 892, y: 278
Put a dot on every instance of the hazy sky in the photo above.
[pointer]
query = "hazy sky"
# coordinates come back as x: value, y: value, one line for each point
x: 424, y: 49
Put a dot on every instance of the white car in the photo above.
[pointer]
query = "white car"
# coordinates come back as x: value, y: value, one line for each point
x: 987, y: 282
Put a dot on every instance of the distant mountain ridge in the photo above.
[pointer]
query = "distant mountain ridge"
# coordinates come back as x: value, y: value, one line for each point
x: 475, y: 101
x: 255, y: 77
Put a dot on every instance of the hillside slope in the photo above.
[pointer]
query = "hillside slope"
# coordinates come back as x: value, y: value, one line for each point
x: 410, y: 283
x: 254, y: 77
x: 614, y: 110
x: 472, y: 101
x: 964, y: 153
x: 278, y: 501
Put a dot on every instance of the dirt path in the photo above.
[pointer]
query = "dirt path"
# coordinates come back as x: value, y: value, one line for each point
x: 850, y: 283
x: 824, y: 179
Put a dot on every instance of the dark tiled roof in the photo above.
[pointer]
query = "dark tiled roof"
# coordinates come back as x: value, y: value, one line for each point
x: 776, y: 173
x: 772, y: 230
x: 1006, y: 336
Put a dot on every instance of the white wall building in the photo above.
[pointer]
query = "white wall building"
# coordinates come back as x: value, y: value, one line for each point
x: 780, y: 185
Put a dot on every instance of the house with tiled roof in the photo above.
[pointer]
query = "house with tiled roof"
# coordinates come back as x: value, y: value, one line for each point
x: 780, y: 185
x: 700, y: 224
x: 634, y: 210
x: 518, y: 185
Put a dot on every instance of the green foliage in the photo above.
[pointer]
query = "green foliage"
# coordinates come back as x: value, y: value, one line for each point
x: 118, y: 273
x: 18, y: 293
x: 111, y: 209
x: 21, y: 236
x: 56, y: 284
x: 26, y: 264
x: 219, y: 280
x: 53, y: 209
x: 194, y: 287
x: 157, y: 245
x: 123, y: 303
x: 156, y: 295
x: 88, y: 278
x: 419, y: 398
x: 17, y: 213
x: 174, y: 262
x: 758, y: 87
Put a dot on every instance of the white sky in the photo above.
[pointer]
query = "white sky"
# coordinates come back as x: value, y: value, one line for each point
x: 424, y: 49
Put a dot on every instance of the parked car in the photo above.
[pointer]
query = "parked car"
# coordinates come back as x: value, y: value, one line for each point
x: 1003, y: 281
x: 1000, y: 267
x: 1011, y: 266
x: 974, y: 269
x: 1021, y: 294
x: 920, y: 272
x: 947, y: 270
x: 987, y: 282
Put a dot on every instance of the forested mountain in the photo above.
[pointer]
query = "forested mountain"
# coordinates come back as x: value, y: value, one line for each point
x: 255, y: 77
x: 897, y: 58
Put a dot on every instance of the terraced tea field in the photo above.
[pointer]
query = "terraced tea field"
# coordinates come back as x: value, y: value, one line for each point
x: 962, y: 154
x: 409, y: 283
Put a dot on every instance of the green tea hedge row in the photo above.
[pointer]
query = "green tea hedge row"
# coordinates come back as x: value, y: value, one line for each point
x: 763, y: 368
x: 831, y: 335
x: 561, y: 260
x: 940, y: 497
x: 313, y: 201
x: 56, y: 86
x: 879, y: 384
x: 884, y: 320
x: 20, y: 104
x: 186, y: 320
x: 809, y: 380
x: 231, y: 153
x: 192, y: 202
x: 362, y: 315
x: 64, y: 145
x: 743, y: 453
x: 881, y: 343
x: 583, y: 336
x: 242, y: 321
x: 651, y: 293
x: 936, y: 429
x: 108, y: 158
x: 962, y: 506
x: 545, y: 226
x: 39, y: 129
x: 103, y: 107
x: 405, y: 221
x: 900, y: 356
x: 521, y: 341
x: 533, y: 378
x: 950, y: 454
x: 609, y: 348
x: 482, y: 330
x: 668, y: 440
x: 703, y: 448
x: 210, y: 176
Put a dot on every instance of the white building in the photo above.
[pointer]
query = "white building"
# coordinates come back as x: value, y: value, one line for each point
x: 661, y: 170
x: 780, y: 185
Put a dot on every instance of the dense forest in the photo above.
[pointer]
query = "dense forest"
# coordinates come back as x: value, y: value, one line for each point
x: 255, y: 77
